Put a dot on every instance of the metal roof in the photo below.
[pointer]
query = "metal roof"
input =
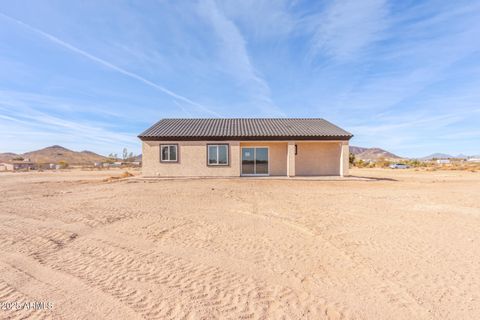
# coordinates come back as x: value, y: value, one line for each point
x: 245, y: 129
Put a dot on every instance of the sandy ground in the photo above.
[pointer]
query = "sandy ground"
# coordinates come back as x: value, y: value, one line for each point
x: 405, y: 245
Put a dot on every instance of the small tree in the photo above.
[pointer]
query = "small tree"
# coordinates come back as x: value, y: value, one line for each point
x: 111, y: 158
x: 125, y: 154
x: 351, y: 158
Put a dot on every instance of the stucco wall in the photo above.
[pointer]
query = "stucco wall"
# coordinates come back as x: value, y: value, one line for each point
x: 313, y: 158
x: 318, y: 158
x: 277, y: 155
x: 192, y: 160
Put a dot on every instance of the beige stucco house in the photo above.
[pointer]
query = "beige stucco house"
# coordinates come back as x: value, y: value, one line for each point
x: 244, y: 147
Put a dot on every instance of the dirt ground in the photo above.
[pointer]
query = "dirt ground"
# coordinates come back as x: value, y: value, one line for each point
x: 401, y: 245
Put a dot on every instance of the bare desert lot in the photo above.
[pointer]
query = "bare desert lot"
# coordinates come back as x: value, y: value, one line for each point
x: 401, y: 245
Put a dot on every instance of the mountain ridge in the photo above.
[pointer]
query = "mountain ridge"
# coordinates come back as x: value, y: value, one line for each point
x: 372, y: 153
x: 55, y: 154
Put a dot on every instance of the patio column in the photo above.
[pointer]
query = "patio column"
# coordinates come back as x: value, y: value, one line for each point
x: 344, y: 158
x: 341, y: 159
x: 291, y: 159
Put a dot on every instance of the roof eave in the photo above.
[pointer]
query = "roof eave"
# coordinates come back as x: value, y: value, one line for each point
x: 245, y: 138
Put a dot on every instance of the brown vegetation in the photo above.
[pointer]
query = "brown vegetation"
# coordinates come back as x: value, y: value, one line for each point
x: 124, y: 175
x: 416, y: 164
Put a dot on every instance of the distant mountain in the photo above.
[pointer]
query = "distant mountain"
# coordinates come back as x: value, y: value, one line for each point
x: 8, y: 156
x: 357, y: 150
x: 448, y: 156
x: 55, y: 154
x: 438, y: 156
x: 372, y: 153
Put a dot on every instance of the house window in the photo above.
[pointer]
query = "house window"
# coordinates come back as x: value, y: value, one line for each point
x: 217, y: 154
x: 169, y: 153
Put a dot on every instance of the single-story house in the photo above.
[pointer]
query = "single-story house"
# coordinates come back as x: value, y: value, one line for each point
x: 6, y: 167
x: 18, y: 165
x: 244, y: 147
x: 443, y: 161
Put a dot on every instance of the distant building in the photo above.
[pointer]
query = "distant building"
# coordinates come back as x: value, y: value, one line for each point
x: 6, y: 167
x: 19, y: 165
x: 443, y: 161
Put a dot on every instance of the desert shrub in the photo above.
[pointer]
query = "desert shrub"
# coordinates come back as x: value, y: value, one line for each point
x: 124, y: 175
x: 415, y: 163
x: 382, y: 163
x: 63, y: 164
x: 351, y: 159
x: 360, y: 163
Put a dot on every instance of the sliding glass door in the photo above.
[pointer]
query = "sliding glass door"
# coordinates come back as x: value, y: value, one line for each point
x: 254, y: 161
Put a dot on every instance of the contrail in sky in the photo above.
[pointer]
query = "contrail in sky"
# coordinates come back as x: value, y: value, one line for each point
x: 111, y: 66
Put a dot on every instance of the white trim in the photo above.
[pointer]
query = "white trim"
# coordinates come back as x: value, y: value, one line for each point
x: 218, y: 154
x: 254, y: 174
x: 168, y: 152
x: 341, y: 160
x: 291, y: 159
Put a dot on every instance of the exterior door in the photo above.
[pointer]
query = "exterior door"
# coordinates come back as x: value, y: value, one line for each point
x: 254, y: 161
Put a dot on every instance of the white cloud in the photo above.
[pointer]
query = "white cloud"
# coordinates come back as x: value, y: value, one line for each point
x: 112, y: 66
x: 32, y: 121
x: 235, y: 58
x: 261, y: 18
x: 348, y: 26
x: 34, y: 129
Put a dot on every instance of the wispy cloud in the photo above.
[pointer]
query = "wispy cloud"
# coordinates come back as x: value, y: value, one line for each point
x: 402, y: 75
x: 111, y: 66
x: 234, y: 55
x: 27, y: 118
x: 26, y: 127
x: 263, y: 19
x: 348, y: 26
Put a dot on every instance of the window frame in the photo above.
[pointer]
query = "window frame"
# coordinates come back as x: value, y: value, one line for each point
x: 169, y: 145
x: 218, y: 164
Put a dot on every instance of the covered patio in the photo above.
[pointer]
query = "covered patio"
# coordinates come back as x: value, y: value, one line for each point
x: 293, y: 158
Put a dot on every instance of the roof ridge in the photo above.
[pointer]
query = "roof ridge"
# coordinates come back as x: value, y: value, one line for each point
x: 252, y: 118
x: 254, y: 128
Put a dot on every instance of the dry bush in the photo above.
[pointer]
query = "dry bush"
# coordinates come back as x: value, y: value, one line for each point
x: 63, y: 164
x: 124, y: 175
x: 361, y: 163
x: 382, y: 163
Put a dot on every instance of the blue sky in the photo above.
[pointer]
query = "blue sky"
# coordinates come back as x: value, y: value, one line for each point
x: 400, y: 75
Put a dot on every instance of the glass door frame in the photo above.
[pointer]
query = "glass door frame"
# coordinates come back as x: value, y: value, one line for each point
x: 254, y: 161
